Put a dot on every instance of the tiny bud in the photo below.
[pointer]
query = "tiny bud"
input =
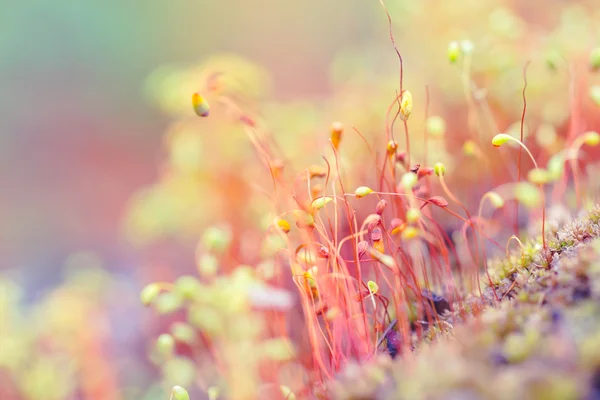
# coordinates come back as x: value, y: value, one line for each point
x: 183, y: 332
x: 165, y: 344
x: 415, y: 168
x: 410, y: 233
x: 556, y: 166
x: 553, y: 58
x: 469, y: 148
x: 323, y: 252
x: 149, y: 293
x: 595, y: 59
x: 287, y: 393
x: 320, y: 202
x: 412, y: 215
x: 496, y: 200
x: 200, y: 105
x: 438, y: 201
x: 179, y: 393
x: 213, y: 392
x: 408, y: 181
x: 595, y: 94
x: 332, y: 313
x: 277, y: 168
x: 436, y: 126
x: 362, y: 248
x: 501, y: 139
x: 467, y: 47
x: 336, y: 134
x: 304, y: 220
x: 385, y: 259
x: 283, y: 225
x: 317, y: 171
x: 309, y: 279
x: 379, y: 246
x: 453, y: 51
x: 591, y: 138
x: 397, y: 225
x: 188, y: 287
x: 168, y: 303
x: 538, y: 176
x: 439, y: 169
x: 208, y: 265
x: 392, y: 146
x: 527, y: 194
x: 373, y: 287
x: 374, y: 221
x: 425, y: 171
x: 217, y: 239
x: 406, y: 105
x: 362, y: 191
x: 381, y: 205
x: 546, y: 135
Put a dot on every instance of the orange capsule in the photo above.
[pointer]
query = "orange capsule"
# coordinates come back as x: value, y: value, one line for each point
x: 397, y: 226
x: 379, y: 246
x: 438, y: 201
x: 381, y: 205
x: 201, y: 106
x: 336, y: 133
x: 377, y: 238
x: 425, y: 171
x: 277, y: 168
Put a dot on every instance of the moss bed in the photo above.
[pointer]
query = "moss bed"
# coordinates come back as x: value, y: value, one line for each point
x: 541, y: 341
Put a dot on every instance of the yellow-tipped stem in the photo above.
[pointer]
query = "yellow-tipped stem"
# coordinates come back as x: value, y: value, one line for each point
x: 503, y: 138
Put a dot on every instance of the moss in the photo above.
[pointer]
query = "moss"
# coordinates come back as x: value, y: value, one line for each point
x: 539, y: 343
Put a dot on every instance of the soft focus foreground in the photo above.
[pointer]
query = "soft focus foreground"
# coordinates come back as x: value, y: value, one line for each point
x: 425, y: 211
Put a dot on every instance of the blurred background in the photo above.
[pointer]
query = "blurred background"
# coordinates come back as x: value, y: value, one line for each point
x: 79, y: 137
x: 81, y: 134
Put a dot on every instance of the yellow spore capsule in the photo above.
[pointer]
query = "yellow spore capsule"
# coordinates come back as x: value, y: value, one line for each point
x: 406, y: 105
x: 336, y: 134
x: 453, y: 51
x: 201, y: 106
x: 373, y: 287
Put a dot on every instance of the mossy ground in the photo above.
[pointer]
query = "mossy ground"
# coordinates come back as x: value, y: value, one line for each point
x: 541, y: 341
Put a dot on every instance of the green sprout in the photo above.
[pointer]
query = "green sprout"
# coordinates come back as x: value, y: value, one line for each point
x: 362, y: 191
x: 179, y: 393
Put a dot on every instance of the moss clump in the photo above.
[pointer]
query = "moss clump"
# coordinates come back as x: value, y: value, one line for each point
x: 540, y: 341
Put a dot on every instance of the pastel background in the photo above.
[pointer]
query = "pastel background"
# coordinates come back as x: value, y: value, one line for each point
x: 78, y: 137
x: 80, y: 134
